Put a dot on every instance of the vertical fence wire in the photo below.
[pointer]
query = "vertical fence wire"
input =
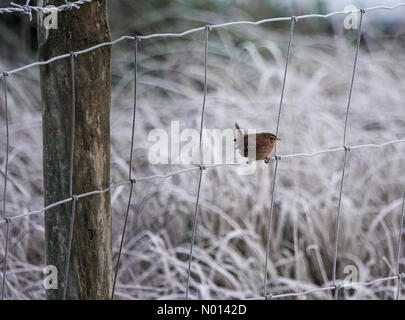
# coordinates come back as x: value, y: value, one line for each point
x: 134, y: 109
x: 130, y: 166
x: 73, y: 121
x: 69, y: 251
x: 3, y: 286
x: 399, y: 242
x: 207, y: 29
x: 270, y: 218
x: 122, y: 241
x: 28, y: 10
x: 347, y: 150
x: 71, y: 168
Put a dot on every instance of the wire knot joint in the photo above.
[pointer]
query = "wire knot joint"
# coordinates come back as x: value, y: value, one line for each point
x: 27, y: 8
x: 132, y: 180
x: 347, y: 148
x: 70, y: 5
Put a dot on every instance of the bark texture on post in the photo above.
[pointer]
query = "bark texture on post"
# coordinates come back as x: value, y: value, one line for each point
x: 90, y: 275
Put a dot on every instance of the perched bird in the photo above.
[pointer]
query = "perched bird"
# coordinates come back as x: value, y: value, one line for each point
x: 255, y: 146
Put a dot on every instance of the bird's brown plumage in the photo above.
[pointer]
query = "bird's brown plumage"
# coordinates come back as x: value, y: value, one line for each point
x: 260, y: 144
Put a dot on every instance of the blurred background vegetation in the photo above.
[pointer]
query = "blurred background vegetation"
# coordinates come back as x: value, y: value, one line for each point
x: 245, y: 71
x: 144, y: 17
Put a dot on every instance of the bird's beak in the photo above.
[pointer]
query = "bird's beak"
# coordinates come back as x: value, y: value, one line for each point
x: 278, y: 139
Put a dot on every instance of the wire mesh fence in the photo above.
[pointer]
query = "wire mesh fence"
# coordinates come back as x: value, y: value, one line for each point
x: 335, y: 286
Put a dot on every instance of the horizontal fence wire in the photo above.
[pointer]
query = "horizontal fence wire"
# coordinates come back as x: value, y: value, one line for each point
x: 191, y: 169
x: 348, y: 285
x: 336, y: 286
x: 190, y: 31
x: 28, y: 9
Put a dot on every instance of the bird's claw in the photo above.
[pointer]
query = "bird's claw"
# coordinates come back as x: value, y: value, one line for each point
x: 266, y: 160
